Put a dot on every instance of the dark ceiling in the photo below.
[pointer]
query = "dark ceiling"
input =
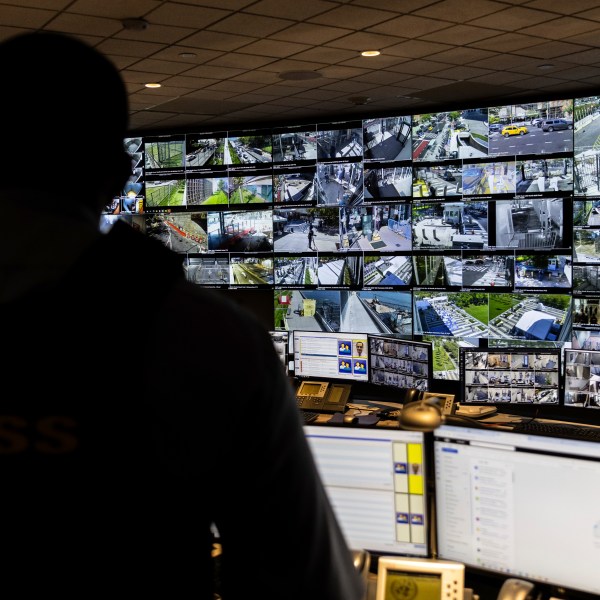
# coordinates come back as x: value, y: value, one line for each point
x: 246, y: 62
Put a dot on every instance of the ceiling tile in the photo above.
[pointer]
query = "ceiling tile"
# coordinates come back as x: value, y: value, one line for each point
x: 275, y: 48
x: 298, y: 11
x: 353, y: 17
x: 214, y: 72
x: 467, y: 34
x: 561, y: 28
x: 238, y: 60
x: 311, y: 33
x: 459, y: 11
x: 213, y: 40
x: 460, y: 56
x: 560, y: 6
x: 17, y: 16
x: 515, y: 18
x: 551, y: 50
x: 66, y: 23
x: 416, y: 48
x: 507, y: 42
x: 261, y: 26
x: 409, y: 26
x: 129, y: 48
x: 365, y: 41
x: 160, y: 66
x: 185, y: 15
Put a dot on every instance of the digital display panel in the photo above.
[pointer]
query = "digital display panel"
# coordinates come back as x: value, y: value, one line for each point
x: 582, y: 378
x: 320, y: 354
x: 384, y: 470
x: 509, y: 487
x: 480, y: 226
x: 399, y: 363
x: 517, y: 376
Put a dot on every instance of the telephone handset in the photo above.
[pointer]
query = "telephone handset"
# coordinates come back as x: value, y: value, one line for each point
x: 324, y: 396
x: 445, y: 402
x: 516, y: 589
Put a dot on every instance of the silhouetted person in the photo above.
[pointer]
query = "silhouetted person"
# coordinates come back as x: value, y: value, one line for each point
x: 131, y: 429
x: 311, y: 238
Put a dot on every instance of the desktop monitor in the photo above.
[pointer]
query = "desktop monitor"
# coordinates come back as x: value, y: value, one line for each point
x: 400, y: 363
x: 511, y: 376
x: 280, y: 343
x: 582, y: 379
x: 519, y: 505
x: 376, y: 481
x: 331, y: 355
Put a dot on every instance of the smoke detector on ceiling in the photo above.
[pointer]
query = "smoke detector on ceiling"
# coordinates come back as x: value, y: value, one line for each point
x: 359, y: 100
x: 135, y: 24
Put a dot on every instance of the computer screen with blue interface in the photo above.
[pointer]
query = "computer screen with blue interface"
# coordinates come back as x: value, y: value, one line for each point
x: 376, y: 481
x: 519, y: 505
x: 331, y: 355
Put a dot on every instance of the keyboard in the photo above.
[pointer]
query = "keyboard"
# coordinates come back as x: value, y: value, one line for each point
x: 564, y: 430
x: 309, y: 416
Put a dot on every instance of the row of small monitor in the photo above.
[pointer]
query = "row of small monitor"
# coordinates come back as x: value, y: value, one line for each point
x: 362, y: 357
x: 518, y: 376
x: 506, y: 503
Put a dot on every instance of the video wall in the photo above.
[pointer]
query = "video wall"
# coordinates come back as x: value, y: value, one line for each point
x: 466, y: 228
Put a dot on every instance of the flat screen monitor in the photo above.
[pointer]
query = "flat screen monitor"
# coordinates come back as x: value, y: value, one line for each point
x: 582, y: 379
x: 519, y: 505
x: 516, y: 376
x: 399, y: 363
x: 331, y: 355
x: 376, y: 481
x: 280, y: 342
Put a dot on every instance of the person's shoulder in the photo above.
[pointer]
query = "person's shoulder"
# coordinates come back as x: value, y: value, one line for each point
x: 133, y: 245
x: 215, y: 309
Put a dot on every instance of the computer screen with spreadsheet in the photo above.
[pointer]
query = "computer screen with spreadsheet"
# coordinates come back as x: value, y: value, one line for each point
x: 519, y: 505
x: 376, y: 481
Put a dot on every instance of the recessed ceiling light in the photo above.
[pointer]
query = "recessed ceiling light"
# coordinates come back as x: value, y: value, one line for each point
x: 187, y: 54
x: 370, y: 53
x: 546, y: 67
x: 299, y: 75
x: 153, y: 85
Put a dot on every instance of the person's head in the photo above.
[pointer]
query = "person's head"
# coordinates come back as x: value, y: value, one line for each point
x: 66, y: 117
x: 359, y: 348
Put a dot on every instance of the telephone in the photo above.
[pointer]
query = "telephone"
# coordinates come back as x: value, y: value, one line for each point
x: 446, y: 401
x: 417, y: 578
x: 425, y: 411
x: 475, y: 412
x: 362, y: 563
x: 516, y: 589
x: 323, y: 396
